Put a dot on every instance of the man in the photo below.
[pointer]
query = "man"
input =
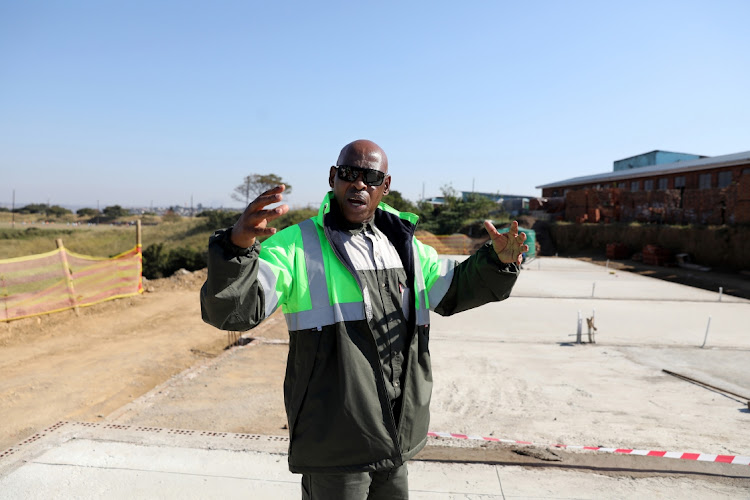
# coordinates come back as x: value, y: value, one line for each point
x: 356, y: 288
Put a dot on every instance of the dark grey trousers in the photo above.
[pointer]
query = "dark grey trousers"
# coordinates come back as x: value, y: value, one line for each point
x: 385, y: 485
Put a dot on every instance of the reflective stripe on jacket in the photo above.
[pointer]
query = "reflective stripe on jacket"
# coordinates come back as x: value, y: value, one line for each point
x: 339, y: 414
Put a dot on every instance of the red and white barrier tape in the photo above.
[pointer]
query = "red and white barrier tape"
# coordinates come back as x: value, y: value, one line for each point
x: 700, y: 457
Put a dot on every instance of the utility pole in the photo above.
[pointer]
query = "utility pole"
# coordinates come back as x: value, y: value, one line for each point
x: 97, y: 212
x: 13, y: 211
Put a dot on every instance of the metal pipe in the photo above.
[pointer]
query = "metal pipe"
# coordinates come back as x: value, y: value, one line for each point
x: 706, y: 337
x: 695, y: 381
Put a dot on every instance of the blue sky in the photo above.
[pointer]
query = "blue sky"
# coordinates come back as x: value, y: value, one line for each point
x: 134, y: 103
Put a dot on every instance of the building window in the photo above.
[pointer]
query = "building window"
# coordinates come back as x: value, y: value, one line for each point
x: 662, y: 184
x: 634, y: 185
x: 725, y: 178
x: 679, y: 182
x: 648, y: 185
x: 704, y: 181
x: 621, y: 185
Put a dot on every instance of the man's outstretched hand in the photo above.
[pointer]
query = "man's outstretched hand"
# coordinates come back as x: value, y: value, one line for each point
x: 254, y: 220
x: 508, y: 246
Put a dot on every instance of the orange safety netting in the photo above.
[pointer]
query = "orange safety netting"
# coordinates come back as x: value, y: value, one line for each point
x: 60, y: 280
x: 452, y: 244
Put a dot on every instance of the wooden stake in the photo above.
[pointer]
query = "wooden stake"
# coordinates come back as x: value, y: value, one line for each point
x: 68, y: 277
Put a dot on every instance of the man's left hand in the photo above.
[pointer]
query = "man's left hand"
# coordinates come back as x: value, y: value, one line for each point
x: 508, y: 246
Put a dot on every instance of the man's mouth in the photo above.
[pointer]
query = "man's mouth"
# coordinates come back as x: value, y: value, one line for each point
x: 357, y: 200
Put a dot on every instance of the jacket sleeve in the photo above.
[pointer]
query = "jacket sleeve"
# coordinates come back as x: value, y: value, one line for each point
x: 242, y: 289
x: 454, y: 287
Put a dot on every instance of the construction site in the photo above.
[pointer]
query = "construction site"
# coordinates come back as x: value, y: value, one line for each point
x: 588, y: 382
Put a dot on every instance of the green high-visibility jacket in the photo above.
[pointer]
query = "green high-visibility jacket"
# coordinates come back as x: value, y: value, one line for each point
x: 339, y: 414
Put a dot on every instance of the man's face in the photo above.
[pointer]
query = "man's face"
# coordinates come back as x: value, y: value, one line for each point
x: 356, y: 199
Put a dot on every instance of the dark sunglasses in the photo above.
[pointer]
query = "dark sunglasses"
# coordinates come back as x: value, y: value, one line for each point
x: 370, y: 176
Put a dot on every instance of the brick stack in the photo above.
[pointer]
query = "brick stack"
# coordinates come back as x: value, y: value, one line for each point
x: 673, y: 214
x: 536, y: 204
x: 617, y: 251
x: 607, y: 201
x: 656, y: 256
x: 576, y: 205
x: 742, y: 205
x: 714, y: 206
x: 593, y: 215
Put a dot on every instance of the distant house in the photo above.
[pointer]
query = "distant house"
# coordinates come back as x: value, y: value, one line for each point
x: 660, y: 186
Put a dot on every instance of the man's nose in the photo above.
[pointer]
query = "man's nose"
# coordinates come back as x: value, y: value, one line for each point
x: 359, y: 182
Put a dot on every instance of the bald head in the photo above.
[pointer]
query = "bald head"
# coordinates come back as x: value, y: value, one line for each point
x: 356, y: 198
x: 365, y: 154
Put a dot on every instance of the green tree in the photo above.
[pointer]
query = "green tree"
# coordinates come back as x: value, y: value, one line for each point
x: 87, y: 212
x: 115, y: 211
x: 397, y: 201
x: 456, y: 211
x: 58, y: 211
x: 256, y: 184
x: 216, y: 219
x: 33, y: 208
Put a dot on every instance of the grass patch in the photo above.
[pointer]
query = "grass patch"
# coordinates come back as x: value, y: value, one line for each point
x: 99, y: 240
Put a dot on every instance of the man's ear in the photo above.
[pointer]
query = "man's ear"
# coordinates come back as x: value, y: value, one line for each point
x: 331, y: 176
x: 387, y: 185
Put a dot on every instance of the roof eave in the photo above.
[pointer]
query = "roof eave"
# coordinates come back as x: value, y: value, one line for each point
x: 655, y: 170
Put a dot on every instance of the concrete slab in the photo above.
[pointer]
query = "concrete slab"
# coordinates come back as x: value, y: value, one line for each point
x: 507, y: 370
x: 628, y: 309
x: 78, y: 460
x: 548, y: 277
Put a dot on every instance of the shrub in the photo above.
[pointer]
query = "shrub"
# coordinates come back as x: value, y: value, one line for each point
x: 171, y: 216
x: 87, y: 212
x: 218, y: 219
x: 185, y: 258
x: 293, y: 217
x: 154, y: 261
x: 158, y: 263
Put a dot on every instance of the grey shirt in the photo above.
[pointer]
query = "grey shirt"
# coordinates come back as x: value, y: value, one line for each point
x: 386, y: 297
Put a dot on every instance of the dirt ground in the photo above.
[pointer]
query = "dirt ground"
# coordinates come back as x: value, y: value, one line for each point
x: 106, y: 363
x: 60, y: 366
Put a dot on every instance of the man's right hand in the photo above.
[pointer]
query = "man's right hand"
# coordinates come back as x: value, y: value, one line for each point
x: 254, y: 220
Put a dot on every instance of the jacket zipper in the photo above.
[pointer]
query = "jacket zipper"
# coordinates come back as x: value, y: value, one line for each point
x: 381, y: 378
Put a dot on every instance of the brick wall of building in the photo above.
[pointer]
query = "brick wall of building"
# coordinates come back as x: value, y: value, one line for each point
x: 616, y: 202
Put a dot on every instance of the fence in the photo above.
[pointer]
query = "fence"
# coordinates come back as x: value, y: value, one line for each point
x: 460, y: 244
x: 453, y: 244
x: 60, y: 280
